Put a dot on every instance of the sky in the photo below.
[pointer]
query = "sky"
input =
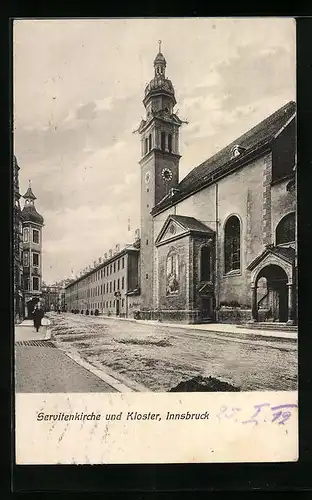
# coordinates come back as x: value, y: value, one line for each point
x: 78, y: 87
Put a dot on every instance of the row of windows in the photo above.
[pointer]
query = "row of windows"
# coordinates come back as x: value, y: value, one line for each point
x: 35, y: 284
x: 112, y: 286
x: 105, y: 271
x: 165, y: 142
x: 35, y: 259
x: 106, y: 304
x: 35, y: 235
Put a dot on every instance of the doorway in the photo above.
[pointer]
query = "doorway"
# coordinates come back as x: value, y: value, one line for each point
x: 277, y: 293
x: 117, y: 307
x: 206, y: 309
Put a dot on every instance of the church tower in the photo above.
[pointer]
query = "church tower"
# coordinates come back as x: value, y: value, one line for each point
x: 32, y: 251
x: 159, y: 163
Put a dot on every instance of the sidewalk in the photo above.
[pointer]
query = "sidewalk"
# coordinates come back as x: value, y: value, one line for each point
x: 27, y: 331
x: 215, y: 327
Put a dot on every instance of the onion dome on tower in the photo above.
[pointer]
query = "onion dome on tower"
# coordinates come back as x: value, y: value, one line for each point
x: 160, y: 83
x: 29, y: 211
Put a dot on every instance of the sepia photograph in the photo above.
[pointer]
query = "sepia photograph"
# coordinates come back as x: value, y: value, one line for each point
x: 155, y: 221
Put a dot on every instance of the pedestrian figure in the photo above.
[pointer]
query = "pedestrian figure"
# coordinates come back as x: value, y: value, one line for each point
x: 38, y: 314
x: 58, y: 311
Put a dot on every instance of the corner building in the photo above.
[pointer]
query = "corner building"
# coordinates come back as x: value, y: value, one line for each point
x: 33, y: 223
x: 219, y: 245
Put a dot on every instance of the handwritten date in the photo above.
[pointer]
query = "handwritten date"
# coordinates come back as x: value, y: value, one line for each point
x: 263, y: 412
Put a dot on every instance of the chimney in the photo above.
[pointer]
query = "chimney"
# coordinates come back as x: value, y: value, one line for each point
x: 137, y: 234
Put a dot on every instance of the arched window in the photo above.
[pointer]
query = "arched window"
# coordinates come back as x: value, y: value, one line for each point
x: 285, y: 230
x: 205, y: 264
x: 172, y: 273
x: 170, y: 142
x: 232, y: 244
x: 150, y: 142
x: 146, y: 146
x: 163, y: 140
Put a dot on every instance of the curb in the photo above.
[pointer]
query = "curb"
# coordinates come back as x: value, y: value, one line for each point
x: 256, y: 332
x: 48, y: 334
x: 113, y: 382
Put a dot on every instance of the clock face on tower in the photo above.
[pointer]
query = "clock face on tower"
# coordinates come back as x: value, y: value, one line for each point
x: 166, y: 174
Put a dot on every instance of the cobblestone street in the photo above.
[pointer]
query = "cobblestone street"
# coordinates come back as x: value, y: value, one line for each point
x: 160, y: 357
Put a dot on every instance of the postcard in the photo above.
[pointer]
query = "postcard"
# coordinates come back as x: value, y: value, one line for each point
x: 155, y: 240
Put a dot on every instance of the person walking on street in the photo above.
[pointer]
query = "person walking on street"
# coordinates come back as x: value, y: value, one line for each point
x: 37, y: 316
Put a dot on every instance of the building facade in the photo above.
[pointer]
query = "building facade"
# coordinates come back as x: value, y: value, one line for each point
x: 18, y: 303
x: 111, y: 287
x: 32, y: 252
x: 219, y: 245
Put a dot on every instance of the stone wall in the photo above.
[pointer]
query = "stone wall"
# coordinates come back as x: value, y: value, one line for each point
x: 233, y: 315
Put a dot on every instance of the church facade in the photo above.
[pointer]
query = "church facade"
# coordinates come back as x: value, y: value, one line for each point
x: 220, y: 244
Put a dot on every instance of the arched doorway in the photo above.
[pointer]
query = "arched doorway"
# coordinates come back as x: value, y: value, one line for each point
x: 277, y: 293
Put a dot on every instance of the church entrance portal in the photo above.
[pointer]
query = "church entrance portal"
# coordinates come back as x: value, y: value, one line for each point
x: 278, y: 298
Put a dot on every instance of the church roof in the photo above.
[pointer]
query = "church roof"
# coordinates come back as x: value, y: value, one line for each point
x: 29, y: 213
x: 218, y: 164
x: 187, y: 225
x: 191, y: 224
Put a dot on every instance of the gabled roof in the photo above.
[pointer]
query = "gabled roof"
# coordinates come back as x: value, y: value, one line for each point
x: 186, y: 224
x: 191, y: 224
x: 285, y: 253
x: 217, y: 165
